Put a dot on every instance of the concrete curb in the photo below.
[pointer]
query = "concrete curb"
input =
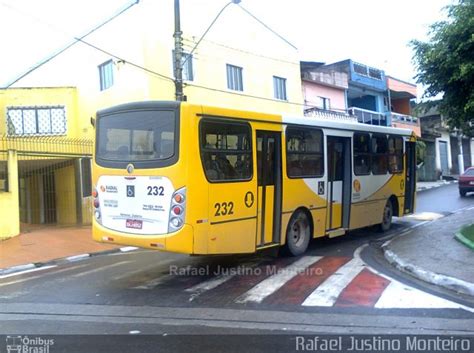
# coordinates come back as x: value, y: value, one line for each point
x: 463, y: 239
x: 63, y: 260
x: 425, y: 188
x: 438, y: 279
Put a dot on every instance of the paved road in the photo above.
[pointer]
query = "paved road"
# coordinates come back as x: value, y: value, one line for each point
x: 339, y: 287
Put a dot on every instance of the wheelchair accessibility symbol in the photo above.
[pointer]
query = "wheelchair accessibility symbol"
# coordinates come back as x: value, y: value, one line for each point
x: 130, y: 190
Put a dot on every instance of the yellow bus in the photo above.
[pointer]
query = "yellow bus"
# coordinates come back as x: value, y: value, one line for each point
x: 198, y: 179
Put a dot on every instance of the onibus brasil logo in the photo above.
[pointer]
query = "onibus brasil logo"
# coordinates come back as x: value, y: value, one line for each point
x: 25, y: 344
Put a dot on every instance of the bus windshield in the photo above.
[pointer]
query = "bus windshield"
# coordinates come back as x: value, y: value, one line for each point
x: 147, y: 135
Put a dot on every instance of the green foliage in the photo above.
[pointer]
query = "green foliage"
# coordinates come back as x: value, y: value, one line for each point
x: 445, y: 64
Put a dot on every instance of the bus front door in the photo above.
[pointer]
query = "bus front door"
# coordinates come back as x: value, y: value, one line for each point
x: 269, y: 188
x: 339, y: 182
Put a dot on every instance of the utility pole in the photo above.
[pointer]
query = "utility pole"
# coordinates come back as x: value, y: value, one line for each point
x: 178, y: 54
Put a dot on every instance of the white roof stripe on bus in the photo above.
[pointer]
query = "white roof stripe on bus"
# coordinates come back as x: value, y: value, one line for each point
x: 343, y: 125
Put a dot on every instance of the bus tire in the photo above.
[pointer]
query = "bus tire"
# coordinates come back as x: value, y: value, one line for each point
x: 386, y: 217
x: 298, y: 234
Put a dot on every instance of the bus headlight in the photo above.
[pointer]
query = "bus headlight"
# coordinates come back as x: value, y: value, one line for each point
x: 177, y: 210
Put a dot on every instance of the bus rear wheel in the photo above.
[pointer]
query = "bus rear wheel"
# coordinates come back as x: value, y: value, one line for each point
x: 298, y: 234
x: 387, y: 217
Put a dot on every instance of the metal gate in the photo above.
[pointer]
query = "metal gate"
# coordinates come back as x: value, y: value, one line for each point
x: 443, y: 155
x: 54, y: 179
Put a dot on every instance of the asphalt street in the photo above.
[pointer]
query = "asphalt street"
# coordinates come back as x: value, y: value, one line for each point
x: 345, y: 288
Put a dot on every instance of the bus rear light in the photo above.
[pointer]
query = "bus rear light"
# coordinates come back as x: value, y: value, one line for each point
x: 177, y: 210
x: 178, y: 198
x: 176, y: 222
x: 95, y: 193
x: 96, y: 203
x: 107, y: 239
x: 97, y: 214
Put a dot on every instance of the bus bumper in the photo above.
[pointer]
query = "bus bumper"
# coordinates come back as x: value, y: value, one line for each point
x: 180, y: 241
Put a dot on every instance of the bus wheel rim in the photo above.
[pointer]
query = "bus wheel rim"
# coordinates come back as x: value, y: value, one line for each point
x: 387, y: 214
x: 298, y: 231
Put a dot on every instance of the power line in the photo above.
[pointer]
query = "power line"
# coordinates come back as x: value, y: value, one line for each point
x: 267, y: 27
x: 242, y: 51
x: 76, y: 40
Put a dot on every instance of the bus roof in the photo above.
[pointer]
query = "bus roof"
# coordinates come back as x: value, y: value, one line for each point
x: 344, y: 125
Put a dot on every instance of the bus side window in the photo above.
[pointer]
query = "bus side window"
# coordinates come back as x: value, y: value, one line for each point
x: 225, y: 150
x: 362, y: 162
x: 379, y: 154
x: 395, y: 154
x: 304, y: 156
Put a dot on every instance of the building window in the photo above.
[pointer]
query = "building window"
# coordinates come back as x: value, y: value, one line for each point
x: 279, y: 88
x: 234, y: 78
x: 4, y: 176
x: 361, y: 154
x: 187, y: 64
x: 36, y: 120
x: 379, y: 154
x: 106, y: 75
x: 395, y: 154
x: 324, y: 103
x: 304, y: 156
x: 226, y: 151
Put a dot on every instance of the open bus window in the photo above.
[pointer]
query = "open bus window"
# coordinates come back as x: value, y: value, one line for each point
x: 226, y: 151
x: 304, y: 157
x: 379, y: 154
x: 361, y: 154
x: 395, y: 154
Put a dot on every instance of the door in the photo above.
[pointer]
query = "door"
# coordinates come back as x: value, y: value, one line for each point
x: 410, y: 177
x: 443, y: 155
x: 269, y: 187
x: 339, y: 182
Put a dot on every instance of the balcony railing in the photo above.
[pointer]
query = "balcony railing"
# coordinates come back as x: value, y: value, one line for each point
x: 332, y: 78
x: 368, y: 116
x: 329, y: 115
x: 396, y: 117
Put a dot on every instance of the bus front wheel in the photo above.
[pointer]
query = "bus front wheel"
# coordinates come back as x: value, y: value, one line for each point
x: 298, y: 234
x: 387, y: 217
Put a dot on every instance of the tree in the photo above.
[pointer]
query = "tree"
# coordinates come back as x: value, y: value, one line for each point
x: 445, y: 64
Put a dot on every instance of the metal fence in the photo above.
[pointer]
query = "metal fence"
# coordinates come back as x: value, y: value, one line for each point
x: 54, y: 178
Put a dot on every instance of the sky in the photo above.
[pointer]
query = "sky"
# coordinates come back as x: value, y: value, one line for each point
x: 373, y: 32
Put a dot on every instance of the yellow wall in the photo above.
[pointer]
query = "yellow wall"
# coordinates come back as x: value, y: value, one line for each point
x: 28, y: 97
x: 65, y: 195
x: 9, y: 201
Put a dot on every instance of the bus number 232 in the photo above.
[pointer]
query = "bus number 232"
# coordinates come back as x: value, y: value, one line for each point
x: 224, y: 208
x: 155, y: 190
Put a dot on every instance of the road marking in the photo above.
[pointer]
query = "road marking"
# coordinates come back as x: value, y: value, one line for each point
x: 327, y: 293
x: 212, y: 283
x: 142, y: 269
x: 153, y: 283
x: 43, y: 275
x: 98, y: 269
x: 276, y: 281
x: 27, y: 271
x: 398, y: 295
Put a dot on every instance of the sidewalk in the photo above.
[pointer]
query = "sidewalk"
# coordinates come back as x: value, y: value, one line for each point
x: 46, y: 244
x: 431, y: 253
